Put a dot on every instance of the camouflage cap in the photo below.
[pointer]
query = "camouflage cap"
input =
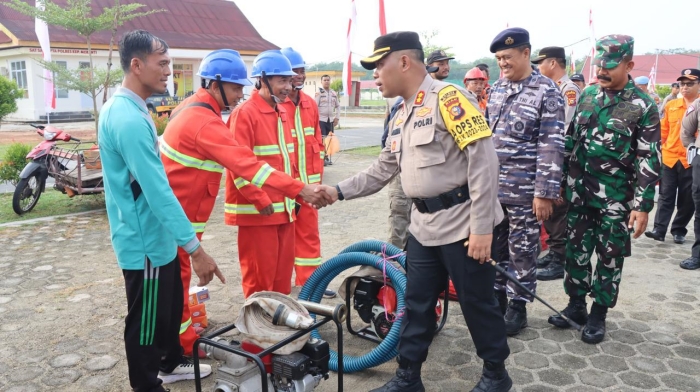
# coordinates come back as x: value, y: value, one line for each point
x: 611, y: 50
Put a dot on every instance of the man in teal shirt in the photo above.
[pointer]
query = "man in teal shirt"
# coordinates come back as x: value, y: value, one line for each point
x: 146, y: 221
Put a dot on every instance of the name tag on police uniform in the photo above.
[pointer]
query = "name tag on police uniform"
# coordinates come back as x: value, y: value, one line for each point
x: 395, y: 143
x: 463, y: 121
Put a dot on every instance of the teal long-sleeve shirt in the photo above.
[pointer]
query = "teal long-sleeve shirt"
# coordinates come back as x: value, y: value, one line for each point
x: 154, y: 224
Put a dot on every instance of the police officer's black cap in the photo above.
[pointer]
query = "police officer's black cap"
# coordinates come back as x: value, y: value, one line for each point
x: 438, y: 55
x: 550, y: 52
x: 392, y: 42
x: 578, y: 77
x: 510, y: 38
x: 690, y: 74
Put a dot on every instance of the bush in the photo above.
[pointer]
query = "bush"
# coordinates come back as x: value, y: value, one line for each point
x: 663, y: 91
x: 9, y: 94
x: 13, y: 162
x: 160, y: 121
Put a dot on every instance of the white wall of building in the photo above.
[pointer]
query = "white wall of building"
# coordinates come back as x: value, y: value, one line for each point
x: 32, y: 107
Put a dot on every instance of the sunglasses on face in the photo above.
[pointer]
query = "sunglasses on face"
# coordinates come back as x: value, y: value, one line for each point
x: 687, y: 84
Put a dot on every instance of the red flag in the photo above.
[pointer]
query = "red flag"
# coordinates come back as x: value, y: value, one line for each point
x: 382, y: 18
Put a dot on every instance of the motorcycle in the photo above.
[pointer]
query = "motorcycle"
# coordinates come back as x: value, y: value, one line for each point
x: 65, y: 163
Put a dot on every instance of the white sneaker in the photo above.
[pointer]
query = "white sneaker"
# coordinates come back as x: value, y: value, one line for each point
x: 184, y: 371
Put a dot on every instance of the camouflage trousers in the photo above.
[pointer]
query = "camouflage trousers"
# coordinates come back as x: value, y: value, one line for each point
x: 399, y: 214
x: 517, y: 240
x: 605, y: 232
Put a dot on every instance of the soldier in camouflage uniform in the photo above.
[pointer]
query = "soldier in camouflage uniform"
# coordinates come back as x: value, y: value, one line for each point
x: 526, y: 113
x: 612, y: 151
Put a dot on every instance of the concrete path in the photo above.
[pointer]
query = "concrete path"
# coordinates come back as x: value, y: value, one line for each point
x: 62, y: 305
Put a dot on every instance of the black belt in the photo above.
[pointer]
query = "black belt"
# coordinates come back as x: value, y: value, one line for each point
x: 443, y: 201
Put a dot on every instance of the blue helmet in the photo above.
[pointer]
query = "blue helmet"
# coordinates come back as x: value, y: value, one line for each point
x: 641, y: 80
x: 225, y: 65
x: 294, y: 58
x: 272, y: 63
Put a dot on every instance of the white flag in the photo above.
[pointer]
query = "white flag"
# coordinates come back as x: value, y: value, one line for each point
x: 42, y: 34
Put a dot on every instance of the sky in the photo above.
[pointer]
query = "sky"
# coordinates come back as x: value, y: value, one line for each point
x: 318, y: 28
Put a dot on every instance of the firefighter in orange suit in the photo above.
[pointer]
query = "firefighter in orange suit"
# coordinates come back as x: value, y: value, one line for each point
x: 265, y: 241
x: 197, y: 146
x: 308, y: 145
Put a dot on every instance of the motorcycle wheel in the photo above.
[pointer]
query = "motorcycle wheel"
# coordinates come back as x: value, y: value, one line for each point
x: 26, y: 194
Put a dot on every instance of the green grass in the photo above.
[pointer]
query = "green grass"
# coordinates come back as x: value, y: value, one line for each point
x: 51, y: 202
x: 368, y: 151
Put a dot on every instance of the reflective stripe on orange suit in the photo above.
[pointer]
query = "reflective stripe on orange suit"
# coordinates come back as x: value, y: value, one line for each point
x: 195, y: 142
x: 309, y: 148
x: 270, y: 249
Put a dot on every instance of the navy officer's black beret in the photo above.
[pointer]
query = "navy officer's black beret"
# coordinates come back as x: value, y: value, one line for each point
x: 510, y: 38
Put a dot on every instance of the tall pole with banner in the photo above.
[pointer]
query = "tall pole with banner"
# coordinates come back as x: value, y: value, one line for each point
x: 42, y: 34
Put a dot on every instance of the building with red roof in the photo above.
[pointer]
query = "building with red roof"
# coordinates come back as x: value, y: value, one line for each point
x: 192, y: 28
x: 669, y: 66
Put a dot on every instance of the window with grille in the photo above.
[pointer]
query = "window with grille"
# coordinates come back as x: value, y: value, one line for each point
x: 18, y: 73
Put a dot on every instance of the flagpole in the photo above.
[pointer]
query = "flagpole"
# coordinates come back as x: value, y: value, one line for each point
x: 652, y: 82
x: 382, y: 18
x: 347, y: 69
x: 573, y: 63
x: 591, y: 67
x: 41, y: 29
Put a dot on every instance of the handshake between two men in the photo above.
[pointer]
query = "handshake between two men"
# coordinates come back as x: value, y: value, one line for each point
x: 319, y: 195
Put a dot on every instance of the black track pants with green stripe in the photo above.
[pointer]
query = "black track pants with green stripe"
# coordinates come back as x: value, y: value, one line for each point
x: 154, y: 297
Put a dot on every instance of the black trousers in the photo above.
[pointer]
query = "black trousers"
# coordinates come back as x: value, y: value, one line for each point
x: 696, y: 200
x: 556, y: 228
x: 326, y: 127
x: 152, y: 331
x: 675, y: 191
x: 428, y: 268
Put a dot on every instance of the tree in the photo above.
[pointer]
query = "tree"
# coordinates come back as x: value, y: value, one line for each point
x: 337, y: 86
x: 77, y: 16
x: 9, y: 94
x: 429, y: 47
x: 122, y: 13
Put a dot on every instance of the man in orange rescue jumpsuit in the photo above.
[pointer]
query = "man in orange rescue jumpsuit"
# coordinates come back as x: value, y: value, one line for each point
x: 197, y: 146
x: 265, y: 238
x: 309, y: 148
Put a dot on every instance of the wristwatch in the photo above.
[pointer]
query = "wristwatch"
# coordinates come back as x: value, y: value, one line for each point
x: 340, y: 193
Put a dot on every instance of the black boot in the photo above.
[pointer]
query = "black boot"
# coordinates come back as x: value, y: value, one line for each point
x: 516, y: 317
x: 494, y: 378
x: 576, y: 311
x: 502, y: 299
x: 407, y: 379
x: 545, y: 260
x: 554, y: 270
x: 594, y: 331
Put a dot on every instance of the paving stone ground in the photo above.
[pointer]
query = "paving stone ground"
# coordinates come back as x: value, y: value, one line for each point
x: 62, y: 305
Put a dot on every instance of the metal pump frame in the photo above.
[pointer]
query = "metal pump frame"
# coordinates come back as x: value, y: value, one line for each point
x: 336, y: 317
